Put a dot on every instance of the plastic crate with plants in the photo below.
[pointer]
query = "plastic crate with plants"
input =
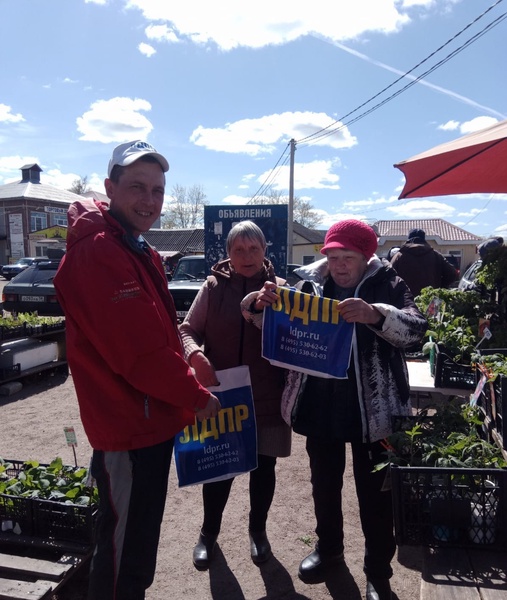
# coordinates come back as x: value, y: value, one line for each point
x: 449, y: 484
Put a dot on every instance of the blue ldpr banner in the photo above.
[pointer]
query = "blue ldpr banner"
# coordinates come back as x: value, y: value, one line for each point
x: 226, y: 445
x: 305, y: 333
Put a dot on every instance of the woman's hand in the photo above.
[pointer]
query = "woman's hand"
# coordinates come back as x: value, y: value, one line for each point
x: 266, y: 296
x: 355, y: 310
x: 204, y: 370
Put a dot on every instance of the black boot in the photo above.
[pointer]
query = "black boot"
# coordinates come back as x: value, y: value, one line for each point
x: 316, y: 566
x: 203, y: 550
x: 378, y: 589
x: 260, y: 548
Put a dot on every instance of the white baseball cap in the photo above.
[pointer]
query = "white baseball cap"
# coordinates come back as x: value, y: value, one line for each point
x: 126, y: 154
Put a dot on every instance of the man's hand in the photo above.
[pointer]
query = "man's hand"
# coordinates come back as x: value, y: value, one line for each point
x: 210, y: 410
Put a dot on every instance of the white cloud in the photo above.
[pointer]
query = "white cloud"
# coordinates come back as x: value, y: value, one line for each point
x: 477, y: 124
x: 261, y: 136
x: 422, y: 209
x: 471, y: 213
x: 6, y: 116
x: 501, y: 230
x: 115, y: 120
x: 10, y: 167
x: 146, y: 49
x: 95, y: 1
x: 449, y: 126
x: 230, y: 24
x: 312, y: 175
x: 69, y: 80
x: 369, y: 202
x: 161, y: 33
x: 468, y: 126
x: 235, y: 199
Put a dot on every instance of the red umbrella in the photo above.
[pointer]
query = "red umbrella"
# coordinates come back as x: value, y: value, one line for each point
x: 474, y: 163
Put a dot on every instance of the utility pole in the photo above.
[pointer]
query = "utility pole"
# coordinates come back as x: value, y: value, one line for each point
x: 290, y: 228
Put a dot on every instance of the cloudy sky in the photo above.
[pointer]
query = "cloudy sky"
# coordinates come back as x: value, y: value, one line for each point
x: 222, y: 87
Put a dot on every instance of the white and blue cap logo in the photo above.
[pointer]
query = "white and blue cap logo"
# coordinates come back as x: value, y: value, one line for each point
x: 126, y: 154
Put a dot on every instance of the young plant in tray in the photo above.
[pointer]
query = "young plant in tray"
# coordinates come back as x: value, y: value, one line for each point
x: 448, y: 438
x: 453, y: 318
x: 56, y: 482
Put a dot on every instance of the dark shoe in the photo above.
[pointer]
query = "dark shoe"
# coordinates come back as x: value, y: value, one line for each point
x: 203, y: 550
x: 260, y: 548
x: 316, y: 566
x: 378, y: 589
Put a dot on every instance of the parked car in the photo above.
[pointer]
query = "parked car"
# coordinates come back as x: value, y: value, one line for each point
x: 292, y: 278
x: 10, y: 271
x: 33, y: 290
x: 467, y: 281
x: 187, y: 278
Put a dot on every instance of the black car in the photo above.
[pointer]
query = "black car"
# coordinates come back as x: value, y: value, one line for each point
x: 292, y: 278
x: 33, y: 290
x: 467, y: 282
x: 10, y: 271
x: 186, y: 281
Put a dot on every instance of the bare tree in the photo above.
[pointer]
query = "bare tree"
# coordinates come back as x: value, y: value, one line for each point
x: 80, y: 186
x: 303, y: 211
x: 185, y: 209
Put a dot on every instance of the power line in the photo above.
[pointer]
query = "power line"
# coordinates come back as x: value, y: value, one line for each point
x: 407, y: 73
x: 323, y: 133
x: 272, y: 175
x: 332, y: 128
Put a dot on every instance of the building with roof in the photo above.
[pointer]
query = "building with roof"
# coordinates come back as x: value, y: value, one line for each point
x: 29, y: 206
x: 441, y: 235
x: 175, y: 243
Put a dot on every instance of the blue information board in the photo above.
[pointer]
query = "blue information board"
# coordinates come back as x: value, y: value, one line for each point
x: 272, y: 219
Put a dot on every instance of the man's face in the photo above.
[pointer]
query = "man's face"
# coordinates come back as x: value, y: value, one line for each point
x: 346, y: 267
x: 137, y: 199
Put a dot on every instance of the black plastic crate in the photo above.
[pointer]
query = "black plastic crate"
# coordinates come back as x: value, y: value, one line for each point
x: 452, y: 507
x: 61, y: 521
x: 451, y: 374
x: 16, y: 510
x: 47, y: 519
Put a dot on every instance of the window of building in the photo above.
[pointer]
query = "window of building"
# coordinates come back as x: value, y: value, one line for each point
x: 60, y: 220
x: 307, y: 260
x: 38, y: 221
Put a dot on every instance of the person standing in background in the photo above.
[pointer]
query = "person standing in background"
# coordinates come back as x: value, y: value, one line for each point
x: 134, y: 387
x: 420, y: 266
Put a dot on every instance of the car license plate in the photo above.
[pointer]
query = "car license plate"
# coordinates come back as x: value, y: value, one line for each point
x: 181, y: 314
x: 32, y: 298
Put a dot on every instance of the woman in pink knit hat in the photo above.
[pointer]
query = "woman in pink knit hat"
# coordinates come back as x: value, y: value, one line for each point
x: 357, y: 410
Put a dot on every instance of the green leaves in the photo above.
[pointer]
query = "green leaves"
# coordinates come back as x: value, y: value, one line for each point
x: 56, y: 481
x: 447, y: 438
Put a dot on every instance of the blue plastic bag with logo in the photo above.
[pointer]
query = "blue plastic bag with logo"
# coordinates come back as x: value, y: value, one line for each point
x: 226, y: 445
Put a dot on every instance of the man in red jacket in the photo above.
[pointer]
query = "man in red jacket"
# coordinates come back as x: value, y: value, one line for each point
x: 134, y: 388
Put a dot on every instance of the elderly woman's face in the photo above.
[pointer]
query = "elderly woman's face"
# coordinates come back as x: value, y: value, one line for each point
x: 247, y: 256
x: 346, y: 267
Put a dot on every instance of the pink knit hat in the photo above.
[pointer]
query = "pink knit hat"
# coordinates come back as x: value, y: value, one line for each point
x: 351, y: 235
